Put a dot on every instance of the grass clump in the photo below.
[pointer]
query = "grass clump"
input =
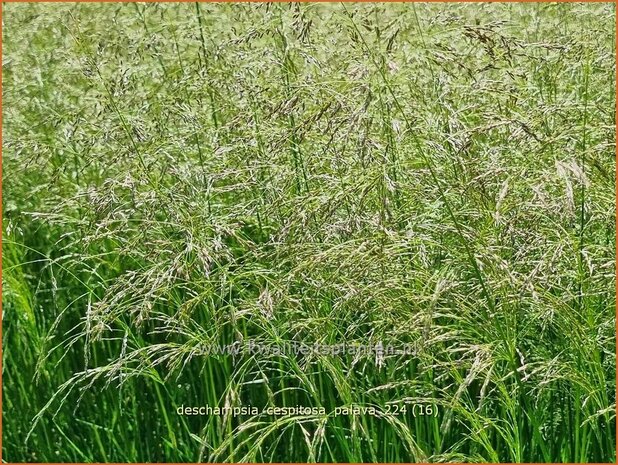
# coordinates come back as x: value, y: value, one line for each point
x: 183, y: 176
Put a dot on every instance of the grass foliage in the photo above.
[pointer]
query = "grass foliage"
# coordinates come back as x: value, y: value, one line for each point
x: 181, y: 175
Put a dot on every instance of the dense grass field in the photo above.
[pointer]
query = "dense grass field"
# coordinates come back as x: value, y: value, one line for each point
x: 178, y: 177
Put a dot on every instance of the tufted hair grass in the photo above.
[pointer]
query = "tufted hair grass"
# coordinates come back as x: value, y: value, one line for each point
x: 178, y: 176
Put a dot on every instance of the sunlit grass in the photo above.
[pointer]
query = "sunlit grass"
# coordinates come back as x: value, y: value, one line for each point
x: 178, y: 176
